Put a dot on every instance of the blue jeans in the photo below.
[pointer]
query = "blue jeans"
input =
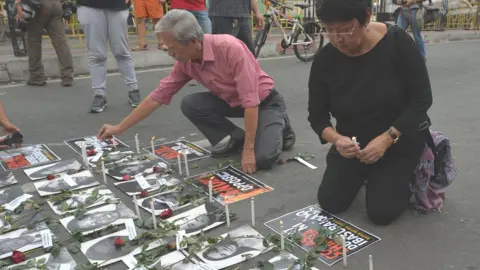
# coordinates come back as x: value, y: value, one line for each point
x: 403, y: 22
x: 203, y: 20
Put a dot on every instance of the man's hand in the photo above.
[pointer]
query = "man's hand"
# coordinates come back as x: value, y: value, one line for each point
x: 108, y: 131
x: 249, y: 164
x: 10, y: 128
x: 375, y: 149
x: 259, y: 20
x: 19, y: 12
x: 346, y: 147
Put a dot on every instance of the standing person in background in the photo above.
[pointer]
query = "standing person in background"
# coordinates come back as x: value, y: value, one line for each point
x: 144, y: 9
x: 407, y: 17
x: 197, y: 8
x: 233, y: 17
x: 101, y: 21
x: 50, y: 18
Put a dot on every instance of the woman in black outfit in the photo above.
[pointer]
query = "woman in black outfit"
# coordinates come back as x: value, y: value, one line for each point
x: 372, y: 79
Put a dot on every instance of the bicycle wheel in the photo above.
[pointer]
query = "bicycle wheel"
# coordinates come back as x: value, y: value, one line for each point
x: 261, y: 38
x: 307, y: 39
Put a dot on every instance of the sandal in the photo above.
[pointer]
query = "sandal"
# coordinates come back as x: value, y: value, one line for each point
x: 140, y: 48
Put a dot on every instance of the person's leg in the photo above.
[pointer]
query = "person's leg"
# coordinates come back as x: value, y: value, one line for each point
x: 245, y: 33
x: 417, y: 33
x: 402, y: 21
x: 140, y: 15
x: 155, y: 12
x: 388, y: 190
x: 208, y: 113
x: 222, y: 25
x: 94, y: 25
x: 56, y: 30
x: 341, y: 182
x: 34, y: 49
x: 117, y: 35
x: 203, y: 20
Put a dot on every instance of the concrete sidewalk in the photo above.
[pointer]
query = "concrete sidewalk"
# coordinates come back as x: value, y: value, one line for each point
x: 14, y: 69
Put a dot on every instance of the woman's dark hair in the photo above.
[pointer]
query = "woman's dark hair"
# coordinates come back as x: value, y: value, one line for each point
x: 330, y: 11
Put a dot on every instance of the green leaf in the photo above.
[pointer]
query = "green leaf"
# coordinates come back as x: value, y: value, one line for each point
x: 95, y: 192
x: 31, y: 263
x: 42, y: 261
x: 265, y: 243
x: 171, y: 233
x: 56, y: 250
x: 64, y: 207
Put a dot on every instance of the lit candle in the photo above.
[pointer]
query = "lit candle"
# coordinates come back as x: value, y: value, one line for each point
x: 114, y: 142
x: 370, y: 262
x: 210, y: 189
x: 153, y: 215
x: 344, y: 250
x: 179, y: 164
x: 282, y: 237
x: 137, y: 144
x: 135, y: 202
x: 227, y: 212
x: 252, y: 202
x: 104, y: 173
x: 153, y: 146
x: 187, y: 172
x: 84, y: 153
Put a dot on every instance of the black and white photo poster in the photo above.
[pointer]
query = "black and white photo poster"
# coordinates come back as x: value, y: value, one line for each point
x: 23, y: 240
x: 7, y: 178
x: 76, y: 181
x: 69, y: 166
x: 309, y: 220
x: 62, y: 261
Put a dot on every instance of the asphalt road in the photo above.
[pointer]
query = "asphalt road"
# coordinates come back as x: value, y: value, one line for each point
x: 446, y: 240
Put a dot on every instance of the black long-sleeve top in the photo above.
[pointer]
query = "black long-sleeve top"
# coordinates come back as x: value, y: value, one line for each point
x: 367, y: 94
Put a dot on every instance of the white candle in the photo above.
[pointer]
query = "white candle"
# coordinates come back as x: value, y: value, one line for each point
x: 135, y: 202
x: 252, y: 202
x: 210, y: 189
x: 354, y: 139
x: 153, y: 146
x: 227, y: 212
x: 84, y: 153
x: 370, y: 262
x: 104, y: 173
x: 137, y: 144
x: 152, y: 208
x: 114, y: 140
x: 282, y: 237
x: 344, y: 250
x: 187, y: 172
x: 179, y: 164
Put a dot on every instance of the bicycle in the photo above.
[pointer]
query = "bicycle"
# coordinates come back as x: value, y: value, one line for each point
x: 308, y: 31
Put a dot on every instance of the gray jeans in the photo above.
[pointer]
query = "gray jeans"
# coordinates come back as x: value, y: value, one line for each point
x: 100, y: 25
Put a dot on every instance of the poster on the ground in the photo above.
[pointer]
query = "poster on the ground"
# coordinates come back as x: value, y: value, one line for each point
x: 25, y: 157
x: 170, y: 150
x: 92, y: 142
x: 309, y: 220
x: 230, y: 185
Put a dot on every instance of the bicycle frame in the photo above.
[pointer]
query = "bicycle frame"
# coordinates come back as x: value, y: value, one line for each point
x: 273, y: 12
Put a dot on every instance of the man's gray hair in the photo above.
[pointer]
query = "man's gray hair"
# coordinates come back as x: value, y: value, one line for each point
x: 182, y: 24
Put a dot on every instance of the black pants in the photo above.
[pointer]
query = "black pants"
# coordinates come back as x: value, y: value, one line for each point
x: 209, y: 114
x: 242, y: 30
x: 388, y: 192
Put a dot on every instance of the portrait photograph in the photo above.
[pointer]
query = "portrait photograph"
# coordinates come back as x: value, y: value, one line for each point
x: 98, y: 219
x: 134, y: 168
x: 200, y: 218
x: 80, y: 197
x: 7, y: 178
x: 233, y: 248
x: 163, y: 201
x: 63, y: 261
x: 13, y: 197
x: 133, y: 187
x: 23, y: 240
x: 76, y: 181
x: 69, y: 166
x: 25, y: 218
x: 103, y: 251
x: 92, y: 142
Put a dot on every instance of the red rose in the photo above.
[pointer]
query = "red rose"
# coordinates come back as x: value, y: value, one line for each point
x: 156, y: 169
x: 166, y: 213
x: 118, y: 242
x: 17, y: 256
x: 91, y: 152
x: 126, y: 177
x: 172, y: 246
x: 143, y: 194
x: 50, y: 176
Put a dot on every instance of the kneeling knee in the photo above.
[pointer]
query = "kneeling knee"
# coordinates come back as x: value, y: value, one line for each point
x: 332, y: 205
x: 265, y: 163
x: 382, y: 217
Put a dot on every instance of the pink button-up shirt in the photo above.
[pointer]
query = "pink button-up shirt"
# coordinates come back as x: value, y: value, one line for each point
x: 228, y: 70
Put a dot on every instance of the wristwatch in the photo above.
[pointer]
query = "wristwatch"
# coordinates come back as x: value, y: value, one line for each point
x: 393, y: 135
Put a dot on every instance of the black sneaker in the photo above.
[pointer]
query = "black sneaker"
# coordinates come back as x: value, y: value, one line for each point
x: 134, y: 98
x: 99, y: 104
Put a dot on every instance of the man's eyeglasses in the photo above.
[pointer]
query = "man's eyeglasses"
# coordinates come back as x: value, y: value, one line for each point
x: 324, y: 31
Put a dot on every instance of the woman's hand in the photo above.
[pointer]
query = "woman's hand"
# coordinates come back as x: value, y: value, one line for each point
x: 347, y: 147
x: 375, y: 149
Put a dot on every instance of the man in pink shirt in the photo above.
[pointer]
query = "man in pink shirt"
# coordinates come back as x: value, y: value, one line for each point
x: 238, y: 88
